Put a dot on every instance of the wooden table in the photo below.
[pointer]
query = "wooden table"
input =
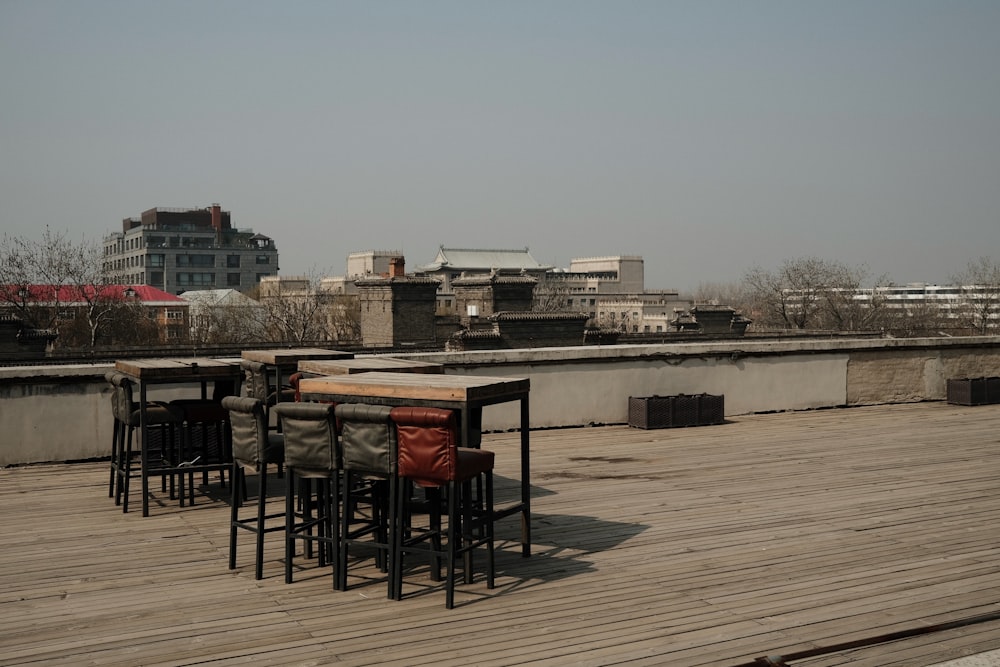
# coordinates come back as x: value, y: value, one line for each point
x: 285, y: 361
x: 146, y: 372
x: 466, y: 393
x: 367, y: 364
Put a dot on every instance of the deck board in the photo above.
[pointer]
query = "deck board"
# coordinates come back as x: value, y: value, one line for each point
x: 713, y: 545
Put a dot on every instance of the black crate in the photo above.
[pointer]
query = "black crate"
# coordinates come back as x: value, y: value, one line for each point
x: 993, y: 390
x: 712, y: 409
x: 686, y: 412
x: 673, y: 411
x: 968, y: 391
x: 650, y: 411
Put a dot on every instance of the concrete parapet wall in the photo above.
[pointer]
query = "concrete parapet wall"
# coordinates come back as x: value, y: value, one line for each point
x: 59, y: 413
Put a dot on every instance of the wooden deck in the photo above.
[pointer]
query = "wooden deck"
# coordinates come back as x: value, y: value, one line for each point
x: 766, y: 535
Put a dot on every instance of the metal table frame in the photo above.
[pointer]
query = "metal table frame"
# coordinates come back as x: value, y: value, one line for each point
x: 466, y: 393
x: 146, y: 372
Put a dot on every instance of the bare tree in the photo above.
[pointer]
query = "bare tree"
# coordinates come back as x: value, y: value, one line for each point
x: 979, y: 298
x: 25, y: 264
x: 229, y: 319
x: 808, y: 293
x: 722, y: 294
x: 40, y: 277
x: 296, y: 310
x: 344, y: 317
x: 550, y: 296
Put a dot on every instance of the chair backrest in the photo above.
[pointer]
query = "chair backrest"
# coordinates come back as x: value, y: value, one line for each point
x: 293, y: 381
x: 367, y: 438
x: 249, y: 428
x: 255, y: 379
x: 310, y: 432
x: 427, y: 439
x: 122, y: 406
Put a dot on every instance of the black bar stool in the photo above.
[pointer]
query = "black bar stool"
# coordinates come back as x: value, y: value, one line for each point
x: 255, y: 447
x: 312, y: 463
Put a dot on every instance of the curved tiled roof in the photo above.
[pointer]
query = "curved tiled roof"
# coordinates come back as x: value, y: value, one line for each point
x: 513, y: 316
x: 459, y: 259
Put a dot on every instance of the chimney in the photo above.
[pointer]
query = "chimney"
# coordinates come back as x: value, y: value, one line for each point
x: 217, y: 222
x: 397, y: 267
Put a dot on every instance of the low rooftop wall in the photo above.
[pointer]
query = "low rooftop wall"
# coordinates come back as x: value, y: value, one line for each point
x: 61, y: 413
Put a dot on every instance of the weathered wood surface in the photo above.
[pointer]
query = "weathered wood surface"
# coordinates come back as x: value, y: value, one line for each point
x: 167, y: 370
x: 367, y: 364
x: 700, y: 546
x: 290, y: 357
x: 430, y: 387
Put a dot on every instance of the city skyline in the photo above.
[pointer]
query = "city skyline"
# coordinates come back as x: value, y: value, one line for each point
x: 706, y: 137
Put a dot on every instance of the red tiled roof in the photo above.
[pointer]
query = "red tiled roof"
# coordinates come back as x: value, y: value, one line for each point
x: 68, y: 294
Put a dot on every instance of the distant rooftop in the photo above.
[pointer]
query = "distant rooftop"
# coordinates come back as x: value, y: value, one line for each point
x: 464, y: 259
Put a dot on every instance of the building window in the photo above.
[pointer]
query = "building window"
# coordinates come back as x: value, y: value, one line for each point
x: 156, y: 260
x: 233, y: 279
x: 196, y: 260
x: 156, y: 278
x: 233, y: 261
x: 195, y: 279
x: 263, y: 259
x: 175, y: 315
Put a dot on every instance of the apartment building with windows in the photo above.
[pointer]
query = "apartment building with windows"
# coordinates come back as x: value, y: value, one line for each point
x: 179, y: 250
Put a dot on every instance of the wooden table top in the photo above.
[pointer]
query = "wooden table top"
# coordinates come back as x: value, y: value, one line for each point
x: 366, y: 364
x: 419, y: 386
x: 284, y: 357
x: 178, y: 368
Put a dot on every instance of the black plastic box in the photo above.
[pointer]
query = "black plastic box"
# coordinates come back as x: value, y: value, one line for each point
x: 974, y: 391
x: 677, y: 410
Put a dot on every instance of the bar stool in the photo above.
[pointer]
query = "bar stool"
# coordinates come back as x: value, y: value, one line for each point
x: 430, y: 457
x: 257, y: 384
x: 368, y: 449
x: 311, y: 456
x: 206, y: 436
x: 163, y: 419
x: 254, y: 446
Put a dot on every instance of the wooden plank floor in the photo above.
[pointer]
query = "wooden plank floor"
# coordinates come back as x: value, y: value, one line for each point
x: 766, y: 535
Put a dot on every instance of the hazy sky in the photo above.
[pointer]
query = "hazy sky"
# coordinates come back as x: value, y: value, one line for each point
x: 706, y: 136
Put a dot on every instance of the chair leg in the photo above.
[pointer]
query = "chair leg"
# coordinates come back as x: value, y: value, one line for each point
x: 289, y: 524
x: 333, y: 523
x: 261, y: 507
x: 237, y: 487
x: 488, y: 520
x: 112, y: 481
x: 121, y: 497
x: 453, y: 538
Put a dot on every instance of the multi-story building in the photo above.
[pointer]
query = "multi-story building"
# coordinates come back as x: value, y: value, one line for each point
x: 362, y: 264
x: 178, y: 250
x: 956, y: 308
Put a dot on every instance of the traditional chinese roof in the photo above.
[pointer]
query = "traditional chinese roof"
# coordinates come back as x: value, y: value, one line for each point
x: 511, y: 316
x: 459, y: 259
x: 494, y: 279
